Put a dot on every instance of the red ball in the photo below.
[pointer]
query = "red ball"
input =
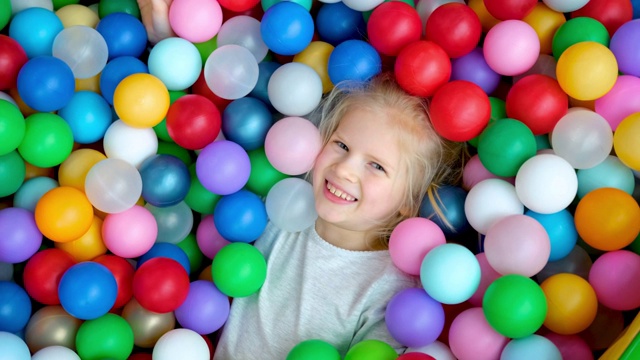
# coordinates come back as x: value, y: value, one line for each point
x: 611, y: 13
x: 460, y: 110
x: 538, y: 101
x: 392, y: 26
x: 455, y: 27
x: 193, y: 121
x: 122, y: 271
x: 238, y: 5
x: 140, y: 356
x: 510, y: 9
x: 422, y: 67
x: 12, y: 57
x: 43, y: 272
x: 160, y: 285
x: 415, y: 356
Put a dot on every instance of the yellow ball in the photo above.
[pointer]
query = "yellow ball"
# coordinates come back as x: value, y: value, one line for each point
x: 572, y: 303
x: 73, y: 170
x: 76, y: 14
x: 545, y: 22
x: 587, y: 70
x: 88, y: 246
x: 316, y: 55
x: 141, y: 100
x: 625, y: 141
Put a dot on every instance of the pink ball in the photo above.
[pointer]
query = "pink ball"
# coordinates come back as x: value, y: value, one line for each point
x: 614, y: 277
x: 471, y: 337
x: 621, y: 101
x: 411, y: 240
x: 292, y: 145
x: 487, y: 276
x: 195, y: 20
x: 517, y: 244
x: 209, y: 239
x: 130, y: 233
x: 474, y: 172
x: 511, y: 47
x: 572, y: 347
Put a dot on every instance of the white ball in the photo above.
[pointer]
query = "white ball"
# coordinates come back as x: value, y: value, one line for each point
x: 295, y: 89
x: 231, y: 71
x: 546, y: 183
x: 290, y: 204
x: 113, y: 185
x: 19, y: 5
x: 489, y: 201
x: 243, y: 30
x: 82, y: 48
x: 130, y: 144
x: 436, y: 349
x: 55, y: 352
x: 362, y: 5
x: 181, y: 344
x: 583, y: 138
x: 565, y: 6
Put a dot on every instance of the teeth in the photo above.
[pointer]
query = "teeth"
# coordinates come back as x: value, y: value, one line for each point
x: 339, y: 193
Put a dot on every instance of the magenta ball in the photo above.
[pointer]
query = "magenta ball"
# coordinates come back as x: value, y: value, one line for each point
x: 20, y: 237
x: 223, y: 167
x: 205, y: 309
x: 614, y: 278
x: 413, y: 318
x: 572, y: 347
x: 411, y: 240
x: 472, y: 338
x: 209, y: 239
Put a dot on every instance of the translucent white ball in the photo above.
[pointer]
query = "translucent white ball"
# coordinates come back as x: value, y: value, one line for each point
x: 231, y: 71
x: 290, y: 204
x: 82, y: 48
x: 243, y: 30
x: 295, y: 89
x: 113, y: 185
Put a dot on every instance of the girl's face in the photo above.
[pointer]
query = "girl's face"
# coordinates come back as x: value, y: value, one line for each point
x: 359, y: 178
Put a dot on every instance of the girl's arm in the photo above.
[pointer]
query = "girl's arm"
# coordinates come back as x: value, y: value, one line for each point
x: 155, y: 17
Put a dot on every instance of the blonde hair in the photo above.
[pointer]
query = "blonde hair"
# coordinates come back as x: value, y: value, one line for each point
x: 430, y: 159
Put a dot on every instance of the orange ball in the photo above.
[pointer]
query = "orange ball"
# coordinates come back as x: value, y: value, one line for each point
x: 625, y: 141
x: 545, y: 22
x: 88, y: 246
x: 607, y: 219
x: 141, y: 100
x: 63, y: 214
x: 572, y: 303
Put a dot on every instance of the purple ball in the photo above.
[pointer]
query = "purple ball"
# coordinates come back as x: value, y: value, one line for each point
x: 413, y: 318
x: 474, y: 68
x: 223, y: 167
x: 624, y: 47
x: 21, y: 237
x: 205, y: 310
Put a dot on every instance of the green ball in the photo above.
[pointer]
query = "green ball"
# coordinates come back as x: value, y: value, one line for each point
x: 12, y: 126
x: 515, y: 306
x: 170, y: 148
x: 198, y: 198
x: 263, y: 175
x: 107, y: 337
x: 505, y: 145
x: 5, y: 13
x: 48, y: 140
x: 371, y: 350
x: 190, y: 247
x: 12, y: 172
x: 578, y: 30
x: 498, y: 111
x: 269, y: 3
x: 107, y: 7
x: 313, y: 350
x: 161, y: 128
x: 238, y: 269
x: 57, y: 4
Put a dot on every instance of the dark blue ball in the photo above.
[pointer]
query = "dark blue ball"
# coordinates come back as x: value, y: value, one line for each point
x: 124, y: 34
x: 336, y: 22
x: 450, y: 200
x: 116, y: 70
x: 165, y: 180
x: 246, y: 122
x: 240, y: 217
x: 167, y: 250
x: 353, y: 60
x: 260, y: 91
x: 46, y: 83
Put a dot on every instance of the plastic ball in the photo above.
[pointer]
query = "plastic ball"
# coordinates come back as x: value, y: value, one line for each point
x: 243, y: 30
x: 89, y: 245
x: 611, y: 277
x: 515, y: 306
x: 336, y: 22
x: 561, y: 229
x: 572, y: 347
x: 450, y: 273
x: 223, y: 167
x: 124, y: 34
x: 240, y: 217
x: 392, y: 26
x: 31, y: 191
x: 174, y: 222
x: 238, y: 6
x: 471, y: 337
x: 454, y: 121
x: 608, y: 219
x: 621, y: 40
x: 205, y: 309
x: 122, y: 272
x: 437, y: 350
x: 108, y: 336
x: 22, y: 237
x: 370, y: 349
x: 88, y: 116
x: 246, y: 122
x: 35, y: 29
x: 619, y: 102
x: 238, y: 270
x: 16, y: 307
x: 576, y: 262
x: 160, y: 285
x: 286, y: 28
x: 13, y: 347
x: 415, y: 356
x: 422, y: 67
x: 489, y: 201
x: 51, y: 326
x: 414, y: 318
x: 12, y: 173
x: 564, y: 6
x: 115, y: 71
x: 147, y: 326
x: 263, y: 175
x: 587, y: 70
x: 193, y: 121
x: 176, y: 62
x: 511, y: 47
x: 449, y: 216
x: 48, y: 140
x: 13, y: 127
x: 72, y: 13
x: 583, y: 138
x: 313, y: 349
x: 545, y: 22
x: 290, y: 204
x: 577, y: 30
x: 63, y: 214
x: 83, y: 49
x: 316, y: 55
x: 128, y: 143
x: 165, y: 180
x: 167, y: 250
x: 87, y: 290
x: 609, y: 173
x: 474, y: 68
x: 45, y: 83
x: 303, y: 144
x: 533, y: 345
x: 353, y: 60
x: 623, y: 141
x: 546, y: 183
x: 411, y: 240
x: 612, y: 14
x: 141, y: 100
x: 42, y: 274
x: 505, y: 145
x: 295, y: 89
x: 538, y: 101
x: 572, y: 303
x: 209, y: 239
x: 194, y: 20
x: 55, y: 352
x: 231, y: 71
x: 12, y: 58
x: 181, y: 342
x: 455, y: 27
x: 113, y: 185
x: 130, y: 233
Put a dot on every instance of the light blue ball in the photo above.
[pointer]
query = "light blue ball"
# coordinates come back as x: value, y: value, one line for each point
x: 450, y: 273
x: 13, y: 347
x: 176, y: 62
x: 246, y: 122
x: 609, y: 173
x: 31, y: 191
x: 35, y: 29
x: 531, y: 347
x: 561, y: 229
x: 88, y: 115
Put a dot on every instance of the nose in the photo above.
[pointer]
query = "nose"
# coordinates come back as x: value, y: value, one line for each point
x: 346, y: 168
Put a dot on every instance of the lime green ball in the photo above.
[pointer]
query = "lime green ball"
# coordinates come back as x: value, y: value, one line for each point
x: 48, y: 140
x: 107, y: 337
x: 57, y: 4
x: 371, y: 350
x: 107, y: 7
x: 198, y: 198
x: 5, y: 13
x: 263, y: 175
x: 515, y: 306
x: 12, y: 127
x: 190, y: 246
x: 577, y: 30
x: 239, y: 269
x: 313, y: 350
x: 170, y: 148
x: 505, y: 145
x: 12, y: 172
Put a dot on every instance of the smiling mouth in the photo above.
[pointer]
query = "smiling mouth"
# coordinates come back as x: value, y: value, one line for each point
x: 339, y: 193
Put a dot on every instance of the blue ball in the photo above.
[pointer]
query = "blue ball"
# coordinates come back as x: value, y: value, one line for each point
x: 336, y: 22
x: 124, y: 33
x: 88, y: 115
x: 561, y: 229
x: 287, y: 28
x: 353, y: 60
x: 87, y: 290
x: 240, y: 217
x: 15, y: 307
x: 116, y: 70
x: 167, y: 250
x: 165, y: 180
x: 35, y: 29
x: 246, y: 122
x: 31, y: 191
x: 260, y: 91
x: 450, y: 200
x: 531, y: 347
x: 46, y: 83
